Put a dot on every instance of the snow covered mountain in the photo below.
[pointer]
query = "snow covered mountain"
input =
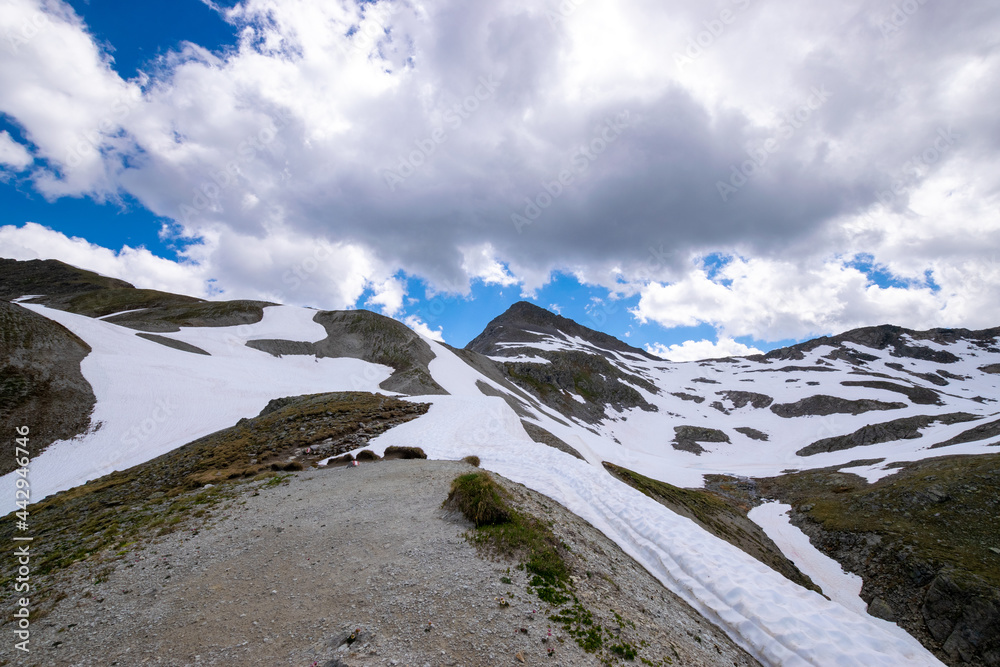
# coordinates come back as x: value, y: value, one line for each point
x: 544, y: 402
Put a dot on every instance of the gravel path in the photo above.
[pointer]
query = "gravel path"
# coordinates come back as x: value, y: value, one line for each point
x: 285, y: 573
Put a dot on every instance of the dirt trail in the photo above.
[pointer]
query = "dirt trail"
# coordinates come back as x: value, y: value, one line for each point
x: 284, y: 574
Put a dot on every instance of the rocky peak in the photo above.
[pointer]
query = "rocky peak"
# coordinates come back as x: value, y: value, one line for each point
x: 527, y: 323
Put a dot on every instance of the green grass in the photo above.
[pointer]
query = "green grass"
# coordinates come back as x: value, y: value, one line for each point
x: 942, y: 510
x: 505, y: 531
x: 479, y: 499
x: 99, y: 303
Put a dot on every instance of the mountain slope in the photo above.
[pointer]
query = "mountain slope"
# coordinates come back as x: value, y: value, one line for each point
x: 547, y: 379
x: 40, y: 380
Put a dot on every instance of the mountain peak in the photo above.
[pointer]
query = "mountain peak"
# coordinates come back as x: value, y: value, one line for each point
x: 527, y: 323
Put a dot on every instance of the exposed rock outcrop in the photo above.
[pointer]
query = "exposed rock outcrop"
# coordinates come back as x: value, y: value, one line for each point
x: 41, y: 385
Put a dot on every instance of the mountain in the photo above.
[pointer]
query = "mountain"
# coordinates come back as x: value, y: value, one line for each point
x: 881, y: 441
x: 525, y: 323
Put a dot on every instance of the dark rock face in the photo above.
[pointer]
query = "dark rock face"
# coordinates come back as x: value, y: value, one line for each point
x: 173, y: 312
x: 827, y: 405
x: 172, y: 343
x: 923, y: 540
x: 689, y: 397
x: 590, y: 376
x: 992, y: 369
x: 539, y: 434
x: 891, y: 337
x: 873, y: 434
x: 967, y: 624
x: 68, y: 288
x: 752, y: 433
x: 741, y: 399
x: 587, y: 373
x: 360, y: 334
x: 919, y: 395
x: 49, y: 277
x: 41, y: 385
x: 686, y: 438
x: 981, y: 432
x: 958, y: 618
x: 525, y: 323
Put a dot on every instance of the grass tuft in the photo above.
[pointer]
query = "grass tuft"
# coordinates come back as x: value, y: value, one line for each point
x: 479, y: 499
x: 395, y: 452
x: 472, y: 460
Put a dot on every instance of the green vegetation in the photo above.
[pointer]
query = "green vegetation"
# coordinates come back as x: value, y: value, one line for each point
x: 98, y: 303
x: 21, y: 278
x: 396, y: 452
x: 478, y: 498
x: 503, y: 530
x: 164, y: 494
x: 723, y: 517
x: 940, y: 511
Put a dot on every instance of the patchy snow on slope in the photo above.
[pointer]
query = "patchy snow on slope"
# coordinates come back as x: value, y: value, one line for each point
x: 779, y: 622
x: 152, y: 399
x: 842, y: 587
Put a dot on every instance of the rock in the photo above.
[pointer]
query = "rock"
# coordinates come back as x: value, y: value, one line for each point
x: 686, y: 438
x: 879, y: 608
x: 821, y: 405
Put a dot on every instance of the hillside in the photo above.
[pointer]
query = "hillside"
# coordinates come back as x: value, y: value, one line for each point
x: 222, y: 551
x: 549, y: 404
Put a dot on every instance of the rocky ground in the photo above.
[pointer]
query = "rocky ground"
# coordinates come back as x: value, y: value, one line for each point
x: 355, y: 566
x: 924, y: 540
x: 40, y: 380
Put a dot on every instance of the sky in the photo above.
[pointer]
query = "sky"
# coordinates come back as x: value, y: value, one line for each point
x: 699, y: 178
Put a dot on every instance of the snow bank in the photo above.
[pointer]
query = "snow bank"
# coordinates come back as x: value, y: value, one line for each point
x: 842, y: 587
x: 152, y: 399
x: 777, y: 621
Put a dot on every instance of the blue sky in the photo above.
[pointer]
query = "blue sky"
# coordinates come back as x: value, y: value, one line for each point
x: 439, y: 164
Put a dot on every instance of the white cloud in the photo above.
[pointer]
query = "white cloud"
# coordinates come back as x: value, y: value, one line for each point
x: 777, y: 300
x: 13, y: 154
x: 480, y: 263
x: 59, y: 86
x: 695, y: 350
x: 135, y: 265
x: 389, y: 296
x: 280, y: 267
x: 279, y: 147
x: 423, y: 329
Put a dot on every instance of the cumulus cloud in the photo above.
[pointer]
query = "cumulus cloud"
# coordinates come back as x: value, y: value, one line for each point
x: 424, y: 329
x: 695, y: 350
x: 13, y: 154
x: 460, y: 142
x: 135, y: 265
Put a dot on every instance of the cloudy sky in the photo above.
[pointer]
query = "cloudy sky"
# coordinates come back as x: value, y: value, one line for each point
x: 697, y: 177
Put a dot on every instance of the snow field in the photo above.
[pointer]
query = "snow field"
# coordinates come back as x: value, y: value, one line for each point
x: 777, y: 621
x: 152, y: 399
